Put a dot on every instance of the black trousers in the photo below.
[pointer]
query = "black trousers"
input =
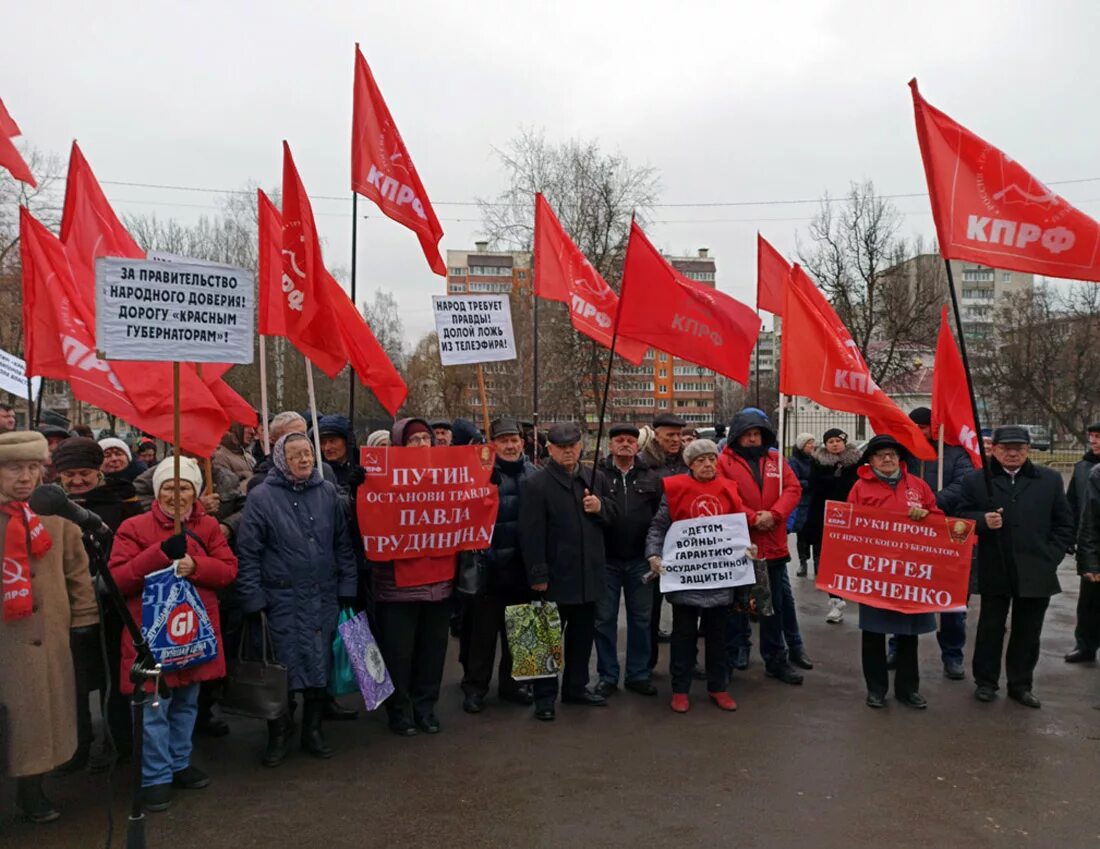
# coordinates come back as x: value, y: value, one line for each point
x: 578, y: 622
x: 683, y: 648
x: 1023, y: 642
x: 875, y: 673
x: 804, y: 548
x: 413, y: 637
x: 655, y: 625
x: 483, y: 628
x: 1087, y: 632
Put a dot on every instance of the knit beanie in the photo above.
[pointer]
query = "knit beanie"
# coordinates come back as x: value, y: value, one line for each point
x: 115, y: 442
x: 378, y: 438
x: 801, y: 440
x: 165, y: 471
x: 834, y: 432
x: 699, y: 448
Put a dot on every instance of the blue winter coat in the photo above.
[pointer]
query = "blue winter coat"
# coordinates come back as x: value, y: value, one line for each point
x: 803, y: 466
x: 295, y: 560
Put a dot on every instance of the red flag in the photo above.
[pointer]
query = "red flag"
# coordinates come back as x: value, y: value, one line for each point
x: 367, y: 357
x: 59, y: 345
x: 563, y: 273
x: 682, y: 317
x: 382, y: 170
x: 270, y: 274
x: 10, y: 157
x: 771, y: 277
x: 820, y: 360
x: 90, y: 229
x: 951, y: 396
x: 989, y: 210
x: 307, y: 314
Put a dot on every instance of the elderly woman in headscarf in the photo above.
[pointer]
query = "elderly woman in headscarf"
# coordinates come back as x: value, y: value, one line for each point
x: 47, y: 596
x: 297, y: 564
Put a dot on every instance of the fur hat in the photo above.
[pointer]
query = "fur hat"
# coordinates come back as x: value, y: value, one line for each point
x: 21, y: 445
x: 699, y: 448
x: 189, y: 471
x: 76, y: 452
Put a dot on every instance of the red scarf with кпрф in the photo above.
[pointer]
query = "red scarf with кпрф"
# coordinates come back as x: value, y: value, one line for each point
x: 22, y: 525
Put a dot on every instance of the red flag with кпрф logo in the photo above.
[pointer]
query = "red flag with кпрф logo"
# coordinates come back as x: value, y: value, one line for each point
x: 990, y: 210
x: 951, y: 396
x: 382, y: 170
x: 563, y: 273
x: 661, y: 306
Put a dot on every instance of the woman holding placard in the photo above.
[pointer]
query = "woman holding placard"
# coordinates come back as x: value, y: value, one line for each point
x: 701, y: 492
x: 884, y: 482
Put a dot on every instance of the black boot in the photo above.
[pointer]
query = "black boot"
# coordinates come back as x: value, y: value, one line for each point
x: 33, y: 802
x: 278, y: 741
x: 313, y: 742
x: 335, y: 713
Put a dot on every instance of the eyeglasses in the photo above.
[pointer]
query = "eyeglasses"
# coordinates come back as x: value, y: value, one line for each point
x: 887, y: 455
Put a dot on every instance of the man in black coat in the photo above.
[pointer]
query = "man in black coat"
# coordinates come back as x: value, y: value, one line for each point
x: 562, y: 519
x: 1024, y: 532
x: 1088, y: 535
x: 504, y: 580
x: 635, y: 490
x: 1087, y: 632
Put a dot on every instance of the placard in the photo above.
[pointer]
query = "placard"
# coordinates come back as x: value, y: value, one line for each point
x: 152, y: 310
x: 882, y: 558
x: 708, y: 553
x: 13, y: 376
x: 474, y: 329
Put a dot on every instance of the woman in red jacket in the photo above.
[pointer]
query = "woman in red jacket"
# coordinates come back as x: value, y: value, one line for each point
x: 145, y: 544
x: 883, y: 482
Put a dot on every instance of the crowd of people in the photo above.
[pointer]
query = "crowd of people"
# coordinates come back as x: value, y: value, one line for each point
x: 270, y: 541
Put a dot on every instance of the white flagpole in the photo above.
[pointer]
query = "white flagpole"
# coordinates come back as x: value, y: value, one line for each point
x: 782, y: 447
x: 313, y: 411
x: 263, y: 394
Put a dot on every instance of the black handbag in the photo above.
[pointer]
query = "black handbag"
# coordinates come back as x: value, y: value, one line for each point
x: 473, y: 573
x: 255, y: 688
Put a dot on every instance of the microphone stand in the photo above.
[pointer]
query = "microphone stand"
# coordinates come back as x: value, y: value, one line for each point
x: 145, y: 668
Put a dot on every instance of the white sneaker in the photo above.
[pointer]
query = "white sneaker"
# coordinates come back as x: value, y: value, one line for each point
x: 836, y: 611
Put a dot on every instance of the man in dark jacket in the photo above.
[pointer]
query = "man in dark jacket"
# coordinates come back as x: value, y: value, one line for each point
x: 956, y: 465
x: 339, y: 449
x: 1088, y: 536
x: 563, y: 514
x: 636, y: 492
x: 664, y: 455
x: 1024, y: 532
x: 1087, y: 632
x: 505, y: 580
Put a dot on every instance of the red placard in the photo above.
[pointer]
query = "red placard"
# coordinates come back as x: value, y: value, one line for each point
x: 884, y: 559
x: 426, y: 502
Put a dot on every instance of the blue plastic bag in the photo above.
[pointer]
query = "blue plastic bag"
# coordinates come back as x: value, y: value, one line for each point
x: 175, y: 622
x: 342, y: 679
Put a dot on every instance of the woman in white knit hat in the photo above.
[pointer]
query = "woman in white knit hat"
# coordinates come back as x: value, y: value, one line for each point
x: 47, y: 596
x: 148, y: 543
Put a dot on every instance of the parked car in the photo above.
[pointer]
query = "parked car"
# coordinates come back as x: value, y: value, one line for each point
x: 1040, y: 437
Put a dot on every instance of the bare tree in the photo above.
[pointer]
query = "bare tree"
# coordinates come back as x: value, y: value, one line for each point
x: 595, y: 194
x: 885, y: 289
x: 434, y: 390
x: 44, y: 201
x: 384, y: 318
x: 1041, y: 367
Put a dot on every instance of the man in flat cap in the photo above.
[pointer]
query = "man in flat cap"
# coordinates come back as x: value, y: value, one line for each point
x: 441, y: 429
x: 1024, y: 531
x: 563, y: 514
x: 1087, y: 633
x: 635, y: 490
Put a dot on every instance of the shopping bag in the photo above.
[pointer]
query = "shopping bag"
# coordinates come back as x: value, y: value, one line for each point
x: 255, y: 687
x: 341, y: 680
x: 366, y: 660
x: 534, y: 638
x: 175, y: 622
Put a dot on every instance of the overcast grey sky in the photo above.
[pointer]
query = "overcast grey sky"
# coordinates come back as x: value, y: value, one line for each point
x: 731, y: 102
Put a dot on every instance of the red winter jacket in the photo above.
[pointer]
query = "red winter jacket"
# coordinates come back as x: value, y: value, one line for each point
x: 136, y: 553
x: 772, y: 544
x: 910, y: 491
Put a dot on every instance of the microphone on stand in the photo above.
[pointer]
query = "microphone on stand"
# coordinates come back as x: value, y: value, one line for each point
x: 51, y: 500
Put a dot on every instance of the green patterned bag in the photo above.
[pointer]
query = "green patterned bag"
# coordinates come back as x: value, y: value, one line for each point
x: 534, y: 637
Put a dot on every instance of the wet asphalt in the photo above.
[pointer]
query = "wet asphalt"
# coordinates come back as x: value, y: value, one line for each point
x: 806, y: 766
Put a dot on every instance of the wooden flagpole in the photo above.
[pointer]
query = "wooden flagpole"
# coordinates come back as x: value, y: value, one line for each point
x: 207, y: 462
x: 263, y: 394
x: 178, y: 517
x: 939, y: 464
x: 484, y: 399
x: 313, y: 411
